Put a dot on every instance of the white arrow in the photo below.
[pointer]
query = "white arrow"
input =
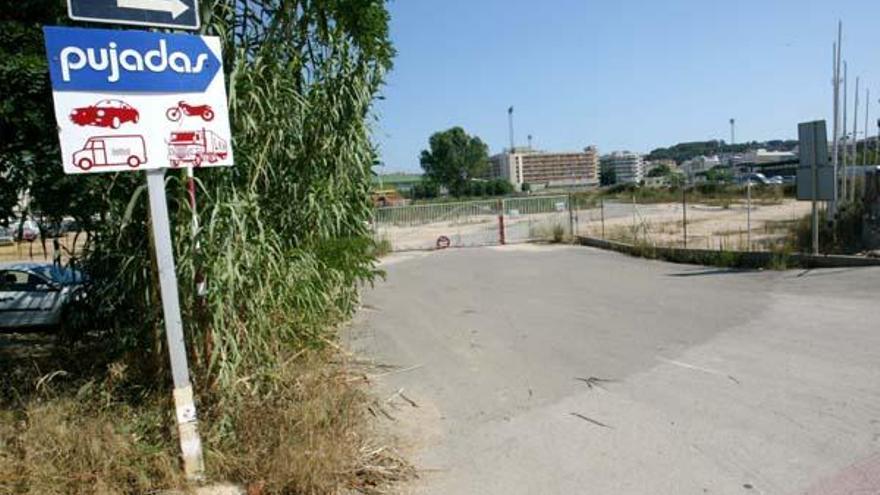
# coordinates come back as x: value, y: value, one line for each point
x: 173, y: 7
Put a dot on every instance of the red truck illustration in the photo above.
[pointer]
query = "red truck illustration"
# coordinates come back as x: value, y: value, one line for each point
x: 100, y: 151
x: 196, y: 147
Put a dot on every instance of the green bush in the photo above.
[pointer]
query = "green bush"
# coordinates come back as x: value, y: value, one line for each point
x: 845, y: 236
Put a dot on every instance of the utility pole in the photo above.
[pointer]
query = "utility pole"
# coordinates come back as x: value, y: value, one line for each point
x: 510, y: 123
x: 684, y: 213
x: 732, y: 131
x: 845, y: 132
x: 835, y: 156
x: 749, y: 209
x: 867, y: 146
x: 850, y: 176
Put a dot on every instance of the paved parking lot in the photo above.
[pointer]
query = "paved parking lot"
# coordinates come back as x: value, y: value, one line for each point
x: 567, y: 370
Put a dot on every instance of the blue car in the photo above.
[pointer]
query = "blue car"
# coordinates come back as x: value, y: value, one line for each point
x: 38, y: 296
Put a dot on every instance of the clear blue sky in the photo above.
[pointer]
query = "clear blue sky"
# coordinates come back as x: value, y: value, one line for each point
x: 625, y: 74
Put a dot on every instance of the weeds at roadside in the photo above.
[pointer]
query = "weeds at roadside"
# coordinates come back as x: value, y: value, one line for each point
x: 83, y: 432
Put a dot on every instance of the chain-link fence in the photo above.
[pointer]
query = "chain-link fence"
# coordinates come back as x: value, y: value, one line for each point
x: 683, y: 219
x: 766, y: 223
x: 42, y: 250
x: 474, y: 223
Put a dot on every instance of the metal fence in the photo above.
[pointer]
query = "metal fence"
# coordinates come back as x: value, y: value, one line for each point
x: 705, y: 223
x: 44, y: 250
x: 698, y: 221
x: 474, y: 223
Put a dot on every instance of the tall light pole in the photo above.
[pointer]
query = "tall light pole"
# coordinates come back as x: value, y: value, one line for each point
x: 732, y: 131
x: 835, y: 157
x: 867, y: 126
x: 855, y: 157
x: 510, y: 123
x: 845, y: 131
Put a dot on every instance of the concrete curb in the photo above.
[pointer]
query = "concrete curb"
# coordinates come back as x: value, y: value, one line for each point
x: 737, y: 259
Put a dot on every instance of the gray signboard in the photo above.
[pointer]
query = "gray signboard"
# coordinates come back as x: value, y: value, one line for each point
x: 180, y: 14
x: 814, y: 167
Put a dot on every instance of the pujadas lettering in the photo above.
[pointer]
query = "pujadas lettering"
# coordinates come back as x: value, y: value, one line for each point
x: 112, y: 60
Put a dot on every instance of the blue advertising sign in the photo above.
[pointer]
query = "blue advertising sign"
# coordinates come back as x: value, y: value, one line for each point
x: 104, y: 60
x: 181, y: 14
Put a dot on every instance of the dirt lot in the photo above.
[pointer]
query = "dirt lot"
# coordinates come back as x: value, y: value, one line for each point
x: 35, y: 251
x: 710, y: 227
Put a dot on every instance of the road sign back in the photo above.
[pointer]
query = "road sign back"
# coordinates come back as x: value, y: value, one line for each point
x: 180, y: 14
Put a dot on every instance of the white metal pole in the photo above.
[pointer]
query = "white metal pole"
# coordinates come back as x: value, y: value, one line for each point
x: 845, y: 131
x: 867, y: 126
x: 749, y: 209
x: 850, y: 177
x: 836, y: 138
x: 187, y: 423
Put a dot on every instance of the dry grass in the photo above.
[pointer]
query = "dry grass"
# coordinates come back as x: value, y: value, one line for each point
x: 310, y: 433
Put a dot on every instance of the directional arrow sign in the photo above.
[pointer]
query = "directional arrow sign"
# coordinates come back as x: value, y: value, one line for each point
x: 128, y: 61
x: 181, y: 14
x: 173, y: 7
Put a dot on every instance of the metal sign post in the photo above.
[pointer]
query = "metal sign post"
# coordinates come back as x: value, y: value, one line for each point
x: 187, y: 424
x: 815, y: 179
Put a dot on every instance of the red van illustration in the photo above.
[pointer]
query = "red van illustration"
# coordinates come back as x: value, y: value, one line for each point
x: 196, y: 147
x: 105, y: 113
x: 101, y: 151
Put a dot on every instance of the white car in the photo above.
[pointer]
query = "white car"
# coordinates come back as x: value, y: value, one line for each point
x: 36, y: 296
x: 6, y: 238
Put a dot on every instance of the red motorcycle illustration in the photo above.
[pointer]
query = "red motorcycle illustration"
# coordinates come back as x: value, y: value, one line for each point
x: 182, y: 108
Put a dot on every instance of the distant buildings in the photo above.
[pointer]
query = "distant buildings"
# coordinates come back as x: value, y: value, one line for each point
x: 698, y: 166
x: 628, y: 168
x: 542, y: 169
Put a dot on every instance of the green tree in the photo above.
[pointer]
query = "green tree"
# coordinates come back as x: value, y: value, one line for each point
x: 30, y: 160
x: 607, y: 175
x: 660, y: 171
x: 454, y: 159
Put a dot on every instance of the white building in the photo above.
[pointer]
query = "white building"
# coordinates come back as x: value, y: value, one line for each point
x: 763, y: 156
x: 547, y: 169
x: 699, y: 165
x: 628, y: 168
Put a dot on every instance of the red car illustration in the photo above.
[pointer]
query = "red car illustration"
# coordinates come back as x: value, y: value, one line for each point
x: 196, y: 147
x: 105, y: 113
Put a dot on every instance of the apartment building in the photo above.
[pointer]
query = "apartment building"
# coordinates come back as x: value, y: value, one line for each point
x: 628, y: 168
x: 547, y: 169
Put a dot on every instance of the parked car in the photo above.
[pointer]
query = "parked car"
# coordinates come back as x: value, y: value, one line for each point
x: 28, y: 230
x: 754, y: 179
x: 105, y: 113
x: 38, y: 296
x: 6, y: 237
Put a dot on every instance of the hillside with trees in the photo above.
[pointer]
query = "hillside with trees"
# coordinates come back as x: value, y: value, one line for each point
x: 682, y: 152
